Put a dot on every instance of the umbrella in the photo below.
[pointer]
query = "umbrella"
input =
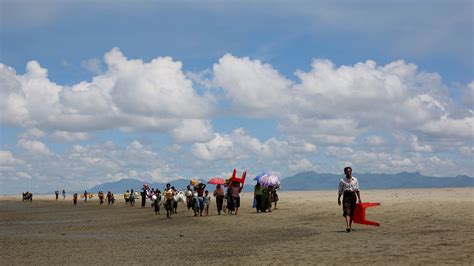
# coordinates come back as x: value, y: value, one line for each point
x: 269, y: 180
x: 260, y: 175
x: 216, y: 181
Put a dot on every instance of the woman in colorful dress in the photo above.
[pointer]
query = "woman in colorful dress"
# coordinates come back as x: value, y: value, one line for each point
x: 219, y: 194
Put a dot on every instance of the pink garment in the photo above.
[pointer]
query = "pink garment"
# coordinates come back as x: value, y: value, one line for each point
x: 235, y: 192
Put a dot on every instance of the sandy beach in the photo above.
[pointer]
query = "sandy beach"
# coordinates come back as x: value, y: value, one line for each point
x: 419, y: 226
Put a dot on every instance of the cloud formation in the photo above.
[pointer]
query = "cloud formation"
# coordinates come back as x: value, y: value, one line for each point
x: 382, y: 118
x: 131, y: 95
x: 334, y: 105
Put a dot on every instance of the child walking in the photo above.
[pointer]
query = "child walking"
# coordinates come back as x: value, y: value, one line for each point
x: 206, y: 200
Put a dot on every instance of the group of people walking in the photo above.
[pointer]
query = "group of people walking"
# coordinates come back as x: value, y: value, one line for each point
x: 110, y: 197
x: 129, y: 197
x: 156, y: 198
x: 264, y: 197
x: 227, y: 201
x: 56, y: 193
x: 199, y: 199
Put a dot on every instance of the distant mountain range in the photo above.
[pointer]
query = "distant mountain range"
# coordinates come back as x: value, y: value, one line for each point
x: 315, y: 181
x: 128, y: 183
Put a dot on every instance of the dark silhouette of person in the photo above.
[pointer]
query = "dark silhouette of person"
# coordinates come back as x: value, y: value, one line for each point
x: 143, y: 196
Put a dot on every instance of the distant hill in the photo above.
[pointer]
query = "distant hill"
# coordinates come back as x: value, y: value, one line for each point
x: 316, y: 181
x: 116, y: 186
x: 127, y: 184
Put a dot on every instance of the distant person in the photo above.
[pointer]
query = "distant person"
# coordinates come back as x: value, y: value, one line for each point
x: 236, y: 189
x: 57, y: 194
x: 126, y: 197
x: 74, y: 199
x: 200, y: 191
x: 175, y: 202
x: 258, y: 194
x: 110, y: 198
x: 266, y: 200
x: 143, y: 197
x: 169, y: 194
x: 64, y: 194
x: 196, y: 206
x: 230, y: 202
x: 132, y: 198
x: 101, y: 197
x: 189, y: 197
x: 150, y: 194
x: 349, y: 188
x: 156, y: 201
x: 206, y: 201
x: 273, y: 196
x: 219, y: 194
x: 85, y: 195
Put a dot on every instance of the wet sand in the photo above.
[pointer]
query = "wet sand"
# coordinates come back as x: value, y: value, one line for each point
x: 419, y: 226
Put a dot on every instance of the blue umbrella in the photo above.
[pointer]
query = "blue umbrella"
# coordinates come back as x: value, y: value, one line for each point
x: 260, y: 176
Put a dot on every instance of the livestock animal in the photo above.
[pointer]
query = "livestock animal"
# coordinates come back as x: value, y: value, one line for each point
x: 27, y: 196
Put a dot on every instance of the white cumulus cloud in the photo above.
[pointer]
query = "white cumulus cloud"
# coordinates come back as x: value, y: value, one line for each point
x: 193, y: 130
x: 255, y: 88
x: 130, y: 94
x: 70, y: 136
x: 35, y: 147
x: 7, y: 159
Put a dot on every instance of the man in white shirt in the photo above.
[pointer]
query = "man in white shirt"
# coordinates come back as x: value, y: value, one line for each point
x: 349, y: 187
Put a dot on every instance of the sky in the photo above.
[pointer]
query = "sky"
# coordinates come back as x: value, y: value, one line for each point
x: 93, y: 92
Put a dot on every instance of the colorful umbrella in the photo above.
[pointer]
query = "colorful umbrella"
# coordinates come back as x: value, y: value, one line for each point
x: 260, y: 175
x: 216, y: 181
x: 269, y: 180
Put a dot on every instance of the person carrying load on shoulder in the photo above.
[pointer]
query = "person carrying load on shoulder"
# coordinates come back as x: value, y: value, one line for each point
x: 126, y: 197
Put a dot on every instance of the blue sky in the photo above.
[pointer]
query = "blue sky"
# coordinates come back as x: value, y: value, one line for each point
x: 159, y: 90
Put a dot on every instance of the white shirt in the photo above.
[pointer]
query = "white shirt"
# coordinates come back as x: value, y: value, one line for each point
x: 348, y: 185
